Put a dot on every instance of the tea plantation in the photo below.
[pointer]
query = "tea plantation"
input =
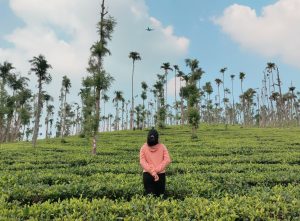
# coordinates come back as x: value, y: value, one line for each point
x: 227, y: 174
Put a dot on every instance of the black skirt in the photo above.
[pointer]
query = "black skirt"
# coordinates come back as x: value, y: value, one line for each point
x: 156, y: 188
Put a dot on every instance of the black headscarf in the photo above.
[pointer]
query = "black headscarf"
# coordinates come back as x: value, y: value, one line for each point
x: 152, y: 138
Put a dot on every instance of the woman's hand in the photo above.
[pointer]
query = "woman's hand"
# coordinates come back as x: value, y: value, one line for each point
x: 156, y: 177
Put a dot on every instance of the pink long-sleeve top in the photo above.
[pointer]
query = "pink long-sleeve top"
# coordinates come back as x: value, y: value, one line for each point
x: 155, y: 159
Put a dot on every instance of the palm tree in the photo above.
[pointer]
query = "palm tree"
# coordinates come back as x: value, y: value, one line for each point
x: 161, y: 111
x: 118, y: 97
x: 66, y: 85
x: 242, y: 77
x: 144, y: 93
x: 166, y: 66
x: 19, y: 97
x: 232, y: 78
x: 135, y: 56
x: 105, y: 98
x: 144, y: 97
x: 248, y: 98
x: 180, y: 75
x: 49, y: 111
x: 222, y: 71
x: 5, y: 72
x: 40, y: 66
x: 294, y: 103
x: 77, y: 120
x: 176, y: 69
x: 110, y: 116
x: 193, y: 64
x: 218, y: 82
x: 138, y: 110
x: 233, y: 109
x: 208, y: 89
x: 270, y: 67
x: 25, y: 113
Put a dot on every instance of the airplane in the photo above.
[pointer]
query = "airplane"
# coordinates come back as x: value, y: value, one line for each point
x: 149, y: 29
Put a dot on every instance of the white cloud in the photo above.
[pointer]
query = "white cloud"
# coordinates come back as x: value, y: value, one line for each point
x: 64, y: 30
x: 274, y: 33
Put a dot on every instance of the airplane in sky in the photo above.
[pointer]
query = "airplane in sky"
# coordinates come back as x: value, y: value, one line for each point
x: 149, y: 29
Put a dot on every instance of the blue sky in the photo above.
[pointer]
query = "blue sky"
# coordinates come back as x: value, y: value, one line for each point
x: 211, y: 46
x: 242, y: 35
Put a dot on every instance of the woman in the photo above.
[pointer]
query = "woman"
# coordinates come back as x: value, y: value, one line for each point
x: 154, y: 158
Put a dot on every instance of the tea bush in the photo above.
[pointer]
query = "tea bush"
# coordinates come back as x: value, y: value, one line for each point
x: 227, y: 174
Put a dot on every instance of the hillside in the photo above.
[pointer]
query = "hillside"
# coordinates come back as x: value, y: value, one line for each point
x: 238, y: 173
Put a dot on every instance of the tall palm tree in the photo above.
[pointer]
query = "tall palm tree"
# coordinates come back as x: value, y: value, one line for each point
x: 180, y: 75
x: 248, y: 98
x: 218, y: 82
x: 270, y: 68
x: 110, y: 116
x: 294, y: 103
x: 49, y: 112
x: 166, y: 66
x: 77, y: 120
x: 126, y: 110
x: 222, y: 71
x: 105, y: 98
x: 176, y: 69
x: 118, y: 97
x: 5, y: 72
x: 144, y: 92
x: 161, y: 111
x: 66, y: 85
x: 242, y: 77
x: 40, y: 66
x: 144, y: 97
x: 208, y: 89
x: 232, y: 78
x: 233, y: 108
x: 135, y: 56
x: 193, y: 64
x: 20, y: 96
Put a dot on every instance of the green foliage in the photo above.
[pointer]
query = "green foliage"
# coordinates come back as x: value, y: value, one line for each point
x: 233, y: 174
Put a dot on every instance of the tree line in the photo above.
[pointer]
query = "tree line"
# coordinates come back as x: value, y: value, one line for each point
x: 21, y: 108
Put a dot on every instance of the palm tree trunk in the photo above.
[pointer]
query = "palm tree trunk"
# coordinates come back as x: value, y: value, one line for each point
x: 175, y: 91
x: 37, y: 115
x: 132, y: 101
x: 280, y: 97
x: 166, y: 103
x: 233, y: 108
x: 1, y: 114
x: 17, y: 128
x: 107, y: 124
x: 62, y: 130
x: 47, y: 125
x: 97, y: 120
